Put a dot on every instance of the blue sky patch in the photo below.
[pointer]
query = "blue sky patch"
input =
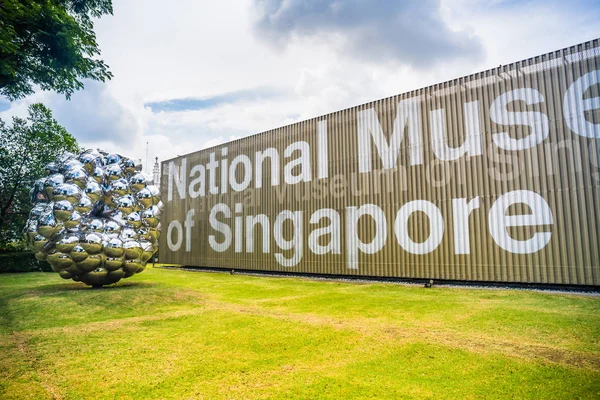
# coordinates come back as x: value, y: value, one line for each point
x: 203, y: 103
x: 4, y: 105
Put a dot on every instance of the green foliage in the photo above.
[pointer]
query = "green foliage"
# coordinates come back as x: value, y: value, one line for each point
x: 22, y: 261
x: 168, y: 334
x: 15, y: 246
x: 26, y: 147
x: 50, y: 43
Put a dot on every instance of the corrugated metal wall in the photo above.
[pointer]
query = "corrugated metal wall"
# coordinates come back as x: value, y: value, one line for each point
x: 537, y: 185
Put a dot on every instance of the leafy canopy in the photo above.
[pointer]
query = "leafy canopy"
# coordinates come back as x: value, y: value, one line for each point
x: 26, y: 147
x: 50, y: 43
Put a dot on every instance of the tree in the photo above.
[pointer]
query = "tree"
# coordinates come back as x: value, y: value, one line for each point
x: 50, y: 43
x: 26, y: 148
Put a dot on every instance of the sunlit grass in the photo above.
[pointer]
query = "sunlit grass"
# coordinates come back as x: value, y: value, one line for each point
x: 176, y: 334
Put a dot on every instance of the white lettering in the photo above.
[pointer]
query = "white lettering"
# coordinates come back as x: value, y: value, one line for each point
x: 537, y: 121
x: 259, y: 158
x: 179, y: 176
x: 199, y: 181
x: 461, y: 209
x: 575, y: 106
x: 189, y: 224
x: 303, y: 162
x: 333, y: 230
x: 220, y: 227
x: 323, y: 149
x: 246, y: 173
x: 293, y: 244
x: 472, y: 144
x: 353, y: 242
x: 368, y: 125
x: 436, y: 227
x: 541, y: 214
x: 174, y: 246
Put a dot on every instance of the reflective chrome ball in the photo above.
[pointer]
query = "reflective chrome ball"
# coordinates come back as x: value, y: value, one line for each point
x: 93, y: 190
x: 114, y: 248
x: 119, y: 188
x: 38, y: 192
x: 85, y: 205
x: 48, y: 226
x: 127, y: 165
x: 134, y: 219
x: 113, y: 158
x: 74, y: 222
x: 126, y: 204
x: 98, y: 175
x: 67, y: 191
x: 90, y: 160
x: 114, y: 172
x: 112, y: 228
x: 63, y: 210
x: 77, y: 176
x: 67, y: 243
x: 150, y: 216
x: 137, y: 182
x: 52, y: 182
x: 133, y: 249
x: 51, y: 168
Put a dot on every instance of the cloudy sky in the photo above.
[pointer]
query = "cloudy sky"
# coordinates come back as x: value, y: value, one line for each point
x: 190, y: 74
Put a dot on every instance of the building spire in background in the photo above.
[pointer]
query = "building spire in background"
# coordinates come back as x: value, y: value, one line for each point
x: 156, y: 173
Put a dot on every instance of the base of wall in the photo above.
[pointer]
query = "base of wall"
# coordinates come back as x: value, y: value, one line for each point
x: 576, y: 289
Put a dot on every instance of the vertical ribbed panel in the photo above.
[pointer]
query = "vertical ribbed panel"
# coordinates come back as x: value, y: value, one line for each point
x: 539, y: 151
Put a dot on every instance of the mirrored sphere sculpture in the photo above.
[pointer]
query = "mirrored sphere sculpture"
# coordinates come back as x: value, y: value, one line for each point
x: 95, y: 217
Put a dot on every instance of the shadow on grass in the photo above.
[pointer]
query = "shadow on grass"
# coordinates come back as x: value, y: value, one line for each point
x: 78, y: 286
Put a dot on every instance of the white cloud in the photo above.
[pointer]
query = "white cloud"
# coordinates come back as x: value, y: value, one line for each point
x: 94, y: 114
x: 208, y: 50
x: 410, y: 32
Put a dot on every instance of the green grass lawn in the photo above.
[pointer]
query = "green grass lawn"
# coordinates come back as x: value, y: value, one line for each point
x: 175, y: 334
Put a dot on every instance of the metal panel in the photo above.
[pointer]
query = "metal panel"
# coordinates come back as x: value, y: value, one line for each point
x: 490, y: 177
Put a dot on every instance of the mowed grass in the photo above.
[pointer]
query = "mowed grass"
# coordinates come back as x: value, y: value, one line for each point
x: 175, y: 334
